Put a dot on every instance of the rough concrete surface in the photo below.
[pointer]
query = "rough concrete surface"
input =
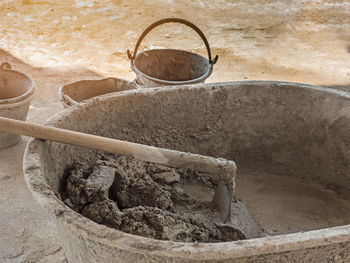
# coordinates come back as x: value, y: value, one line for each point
x: 57, y: 43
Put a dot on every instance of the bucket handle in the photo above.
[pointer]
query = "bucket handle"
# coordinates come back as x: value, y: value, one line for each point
x: 5, y: 66
x: 173, y: 20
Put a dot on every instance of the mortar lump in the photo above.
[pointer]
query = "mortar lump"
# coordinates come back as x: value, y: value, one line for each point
x: 145, y: 199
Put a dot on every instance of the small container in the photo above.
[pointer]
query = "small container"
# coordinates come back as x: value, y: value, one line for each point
x: 16, y: 93
x: 169, y: 67
x: 74, y: 93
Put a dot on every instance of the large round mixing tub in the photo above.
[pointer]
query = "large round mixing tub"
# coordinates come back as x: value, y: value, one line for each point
x: 277, y: 127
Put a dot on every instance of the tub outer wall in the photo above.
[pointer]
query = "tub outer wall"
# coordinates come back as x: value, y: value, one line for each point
x: 267, y: 120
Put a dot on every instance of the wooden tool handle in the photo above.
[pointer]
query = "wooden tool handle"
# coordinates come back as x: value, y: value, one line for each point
x: 224, y: 169
x: 221, y: 170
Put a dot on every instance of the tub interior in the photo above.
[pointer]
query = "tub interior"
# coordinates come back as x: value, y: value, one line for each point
x: 285, y: 138
x: 13, y: 84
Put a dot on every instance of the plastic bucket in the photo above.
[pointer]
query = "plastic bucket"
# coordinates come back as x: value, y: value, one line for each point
x: 16, y: 94
x: 74, y: 93
x: 164, y: 67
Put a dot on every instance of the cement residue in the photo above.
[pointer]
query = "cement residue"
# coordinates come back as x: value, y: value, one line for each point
x: 284, y: 204
x: 152, y: 200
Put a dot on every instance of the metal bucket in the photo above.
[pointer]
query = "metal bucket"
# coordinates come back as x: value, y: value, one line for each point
x: 16, y: 94
x: 164, y: 67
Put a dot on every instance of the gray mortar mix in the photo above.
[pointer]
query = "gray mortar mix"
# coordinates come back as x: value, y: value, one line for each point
x: 152, y: 200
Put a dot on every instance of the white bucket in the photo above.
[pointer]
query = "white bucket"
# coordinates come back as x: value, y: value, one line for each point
x: 16, y: 94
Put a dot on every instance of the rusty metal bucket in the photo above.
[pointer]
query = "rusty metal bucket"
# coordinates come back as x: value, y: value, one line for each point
x: 164, y: 67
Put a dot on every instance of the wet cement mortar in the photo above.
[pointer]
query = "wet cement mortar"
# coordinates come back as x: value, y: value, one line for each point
x: 150, y: 200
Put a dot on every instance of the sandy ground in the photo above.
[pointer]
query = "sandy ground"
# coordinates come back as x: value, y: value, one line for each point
x: 59, y: 42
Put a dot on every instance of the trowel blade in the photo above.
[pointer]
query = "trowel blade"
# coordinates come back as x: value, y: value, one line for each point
x: 222, y: 201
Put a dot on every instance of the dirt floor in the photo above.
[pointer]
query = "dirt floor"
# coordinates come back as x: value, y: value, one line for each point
x: 59, y: 42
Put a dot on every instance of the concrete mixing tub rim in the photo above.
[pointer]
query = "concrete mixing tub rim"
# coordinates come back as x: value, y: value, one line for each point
x: 22, y: 98
x: 199, y: 251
